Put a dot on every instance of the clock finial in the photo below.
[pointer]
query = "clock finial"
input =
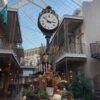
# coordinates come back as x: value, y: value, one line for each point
x: 48, y: 7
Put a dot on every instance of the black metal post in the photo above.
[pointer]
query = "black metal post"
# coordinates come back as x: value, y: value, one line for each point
x: 47, y: 40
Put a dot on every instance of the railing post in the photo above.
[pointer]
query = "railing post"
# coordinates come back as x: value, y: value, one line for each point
x: 66, y: 41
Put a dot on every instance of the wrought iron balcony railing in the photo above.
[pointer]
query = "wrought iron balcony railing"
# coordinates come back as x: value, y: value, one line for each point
x: 72, y: 49
x: 4, y: 48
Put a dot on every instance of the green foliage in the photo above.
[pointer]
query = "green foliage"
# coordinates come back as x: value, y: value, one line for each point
x: 30, y: 92
x: 24, y: 92
x: 67, y: 94
x: 41, y: 92
x: 26, y: 85
x: 80, y: 88
x: 66, y: 84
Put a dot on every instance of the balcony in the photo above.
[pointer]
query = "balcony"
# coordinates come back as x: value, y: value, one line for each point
x: 7, y: 50
x: 95, y: 50
x: 72, y: 51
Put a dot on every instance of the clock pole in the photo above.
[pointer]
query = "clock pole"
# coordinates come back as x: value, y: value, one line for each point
x: 47, y: 40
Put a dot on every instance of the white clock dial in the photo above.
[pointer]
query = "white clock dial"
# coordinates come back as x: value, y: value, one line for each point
x: 49, y: 21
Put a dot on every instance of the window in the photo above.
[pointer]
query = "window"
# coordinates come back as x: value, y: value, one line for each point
x: 1, y: 43
x: 1, y: 80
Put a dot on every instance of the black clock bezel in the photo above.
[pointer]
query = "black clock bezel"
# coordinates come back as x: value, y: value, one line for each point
x: 44, y: 30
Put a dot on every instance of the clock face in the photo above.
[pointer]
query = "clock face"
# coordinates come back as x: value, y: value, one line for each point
x: 49, y: 21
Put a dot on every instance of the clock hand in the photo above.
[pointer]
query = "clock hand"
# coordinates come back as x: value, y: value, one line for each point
x: 53, y: 22
x: 49, y: 21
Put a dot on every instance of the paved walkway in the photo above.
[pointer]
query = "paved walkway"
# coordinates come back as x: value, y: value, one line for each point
x: 18, y: 97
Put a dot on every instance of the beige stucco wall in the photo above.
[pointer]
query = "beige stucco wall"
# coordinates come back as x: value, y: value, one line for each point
x: 91, y: 14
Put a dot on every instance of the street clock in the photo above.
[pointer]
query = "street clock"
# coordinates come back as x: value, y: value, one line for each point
x: 48, y: 21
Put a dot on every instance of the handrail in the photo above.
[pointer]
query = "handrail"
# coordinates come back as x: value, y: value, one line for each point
x: 75, y: 49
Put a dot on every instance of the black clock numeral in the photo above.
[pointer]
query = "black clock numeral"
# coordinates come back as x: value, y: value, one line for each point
x: 42, y: 23
x: 53, y: 24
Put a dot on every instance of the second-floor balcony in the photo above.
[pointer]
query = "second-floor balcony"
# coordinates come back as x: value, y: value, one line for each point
x: 72, y: 51
x: 7, y: 49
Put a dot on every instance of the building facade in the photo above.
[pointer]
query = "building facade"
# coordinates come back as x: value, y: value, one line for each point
x: 76, y: 44
x: 10, y: 52
x: 32, y: 57
x: 92, y: 23
x: 30, y: 64
x: 68, y: 45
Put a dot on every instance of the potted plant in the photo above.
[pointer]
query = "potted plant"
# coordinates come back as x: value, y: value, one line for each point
x: 81, y: 89
x: 68, y: 95
x: 41, y: 94
x: 28, y: 94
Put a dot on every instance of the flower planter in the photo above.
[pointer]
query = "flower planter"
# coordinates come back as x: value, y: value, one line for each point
x: 39, y: 98
x: 29, y: 98
x: 69, y: 98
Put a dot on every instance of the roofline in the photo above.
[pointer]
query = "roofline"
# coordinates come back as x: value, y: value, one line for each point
x: 12, y: 9
x: 72, y: 17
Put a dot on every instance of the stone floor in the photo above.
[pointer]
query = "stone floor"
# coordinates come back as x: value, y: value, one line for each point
x: 18, y: 97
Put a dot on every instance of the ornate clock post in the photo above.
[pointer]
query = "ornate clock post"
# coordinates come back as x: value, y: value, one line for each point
x: 48, y: 22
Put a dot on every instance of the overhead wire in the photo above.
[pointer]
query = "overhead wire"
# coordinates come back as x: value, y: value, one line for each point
x: 44, y: 3
x: 19, y: 4
x: 28, y: 34
x: 31, y: 1
x: 65, y: 8
x: 76, y: 3
x: 29, y: 40
x: 30, y: 27
x: 34, y: 34
x: 30, y: 18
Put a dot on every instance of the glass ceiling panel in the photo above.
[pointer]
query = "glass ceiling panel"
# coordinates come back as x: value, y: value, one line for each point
x: 28, y: 13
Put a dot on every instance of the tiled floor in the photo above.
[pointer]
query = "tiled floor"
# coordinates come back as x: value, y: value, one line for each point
x: 18, y: 97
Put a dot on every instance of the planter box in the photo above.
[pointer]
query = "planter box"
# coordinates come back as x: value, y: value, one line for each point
x: 30, y: 98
